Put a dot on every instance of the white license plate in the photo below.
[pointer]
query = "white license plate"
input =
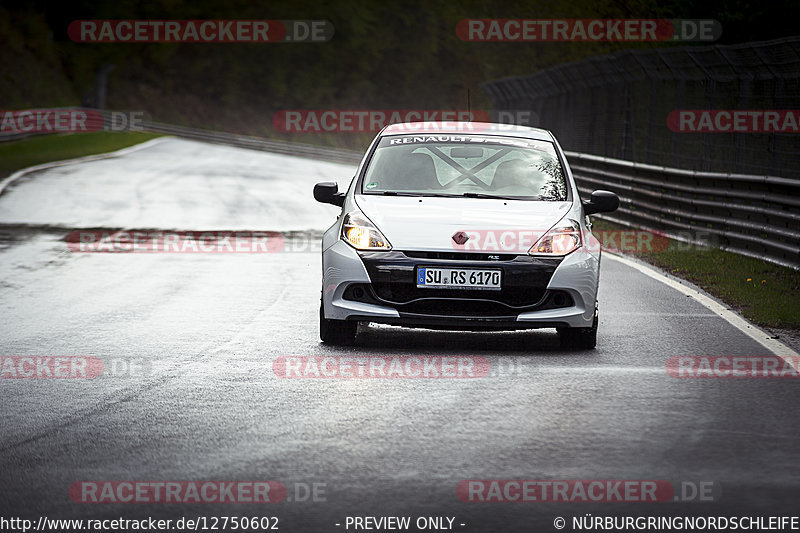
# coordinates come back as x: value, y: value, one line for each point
x: 458, y: 278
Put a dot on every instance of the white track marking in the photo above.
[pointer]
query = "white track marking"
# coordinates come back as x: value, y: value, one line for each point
x: 754, y: 332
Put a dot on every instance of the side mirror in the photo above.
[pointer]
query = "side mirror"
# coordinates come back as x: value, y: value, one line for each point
x: 601, y: 202
x: 327, y: 192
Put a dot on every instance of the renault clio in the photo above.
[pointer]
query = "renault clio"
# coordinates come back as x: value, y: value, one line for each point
x: 465, y: 226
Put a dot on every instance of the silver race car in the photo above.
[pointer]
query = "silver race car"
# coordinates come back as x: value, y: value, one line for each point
x: 466, y: 226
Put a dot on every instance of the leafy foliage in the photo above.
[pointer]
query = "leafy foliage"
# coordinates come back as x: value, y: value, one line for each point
x: 384, y: 55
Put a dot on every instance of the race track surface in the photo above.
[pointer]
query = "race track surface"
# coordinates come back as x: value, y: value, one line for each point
x: 189, y: 393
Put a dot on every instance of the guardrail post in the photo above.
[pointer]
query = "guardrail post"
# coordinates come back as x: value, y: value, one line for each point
x: 100, y: 85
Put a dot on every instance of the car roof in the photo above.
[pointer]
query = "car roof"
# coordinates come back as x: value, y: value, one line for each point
x: 467, y: 128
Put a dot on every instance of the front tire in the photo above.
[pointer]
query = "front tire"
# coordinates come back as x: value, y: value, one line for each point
x: 579, y: 338
x: 336, y: 332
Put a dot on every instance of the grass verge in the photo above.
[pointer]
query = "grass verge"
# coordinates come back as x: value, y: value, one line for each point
x: 16, y: 155
x: 764, y: 293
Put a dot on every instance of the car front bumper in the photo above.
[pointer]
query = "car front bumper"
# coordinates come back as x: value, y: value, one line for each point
x: 537, y: 292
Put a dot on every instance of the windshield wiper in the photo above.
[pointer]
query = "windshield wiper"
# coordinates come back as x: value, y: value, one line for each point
x: 496, y: 196
x: 404, y: 193
x: 393, y: 193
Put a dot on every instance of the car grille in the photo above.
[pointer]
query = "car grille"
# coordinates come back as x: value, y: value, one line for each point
x: 393, y: 276
x: 461, y: 256
x: 408, y: 292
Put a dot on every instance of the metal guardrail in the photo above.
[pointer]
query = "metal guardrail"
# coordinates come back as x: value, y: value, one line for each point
x: 755, y: 216
x: 618, y: 105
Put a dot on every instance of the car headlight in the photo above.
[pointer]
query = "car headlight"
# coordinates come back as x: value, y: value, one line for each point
x: 563, y: 239
x: 362, y: 234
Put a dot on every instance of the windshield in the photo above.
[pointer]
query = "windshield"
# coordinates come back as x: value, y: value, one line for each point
x: 466, y: 165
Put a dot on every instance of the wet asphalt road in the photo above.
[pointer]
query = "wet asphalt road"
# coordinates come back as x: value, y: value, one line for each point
x: 189, y: 393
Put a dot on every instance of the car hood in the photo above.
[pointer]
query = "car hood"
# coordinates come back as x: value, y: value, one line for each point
x: 429, y: 223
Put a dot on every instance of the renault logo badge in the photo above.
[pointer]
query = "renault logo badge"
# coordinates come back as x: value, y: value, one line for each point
x: 460, y: 237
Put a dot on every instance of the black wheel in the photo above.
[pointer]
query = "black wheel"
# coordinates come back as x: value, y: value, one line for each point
x: 579, y: 338
x: 336, y: 332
